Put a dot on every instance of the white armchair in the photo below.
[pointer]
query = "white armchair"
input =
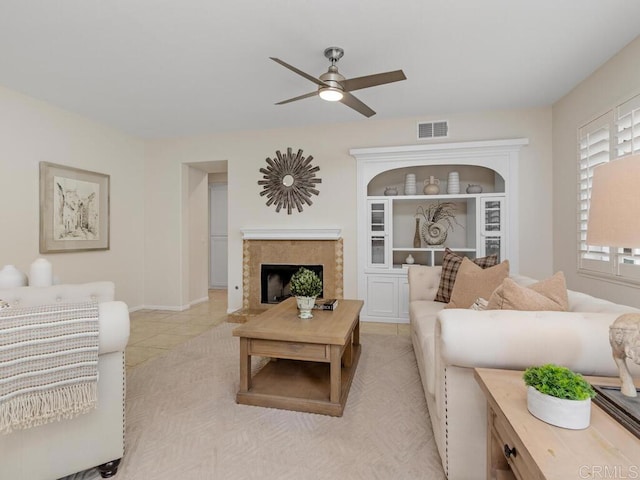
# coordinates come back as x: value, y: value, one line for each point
x: 94, y: 439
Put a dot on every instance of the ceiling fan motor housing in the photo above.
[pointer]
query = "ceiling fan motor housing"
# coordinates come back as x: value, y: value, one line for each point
x: 332, y: 77
x: 334, y: 54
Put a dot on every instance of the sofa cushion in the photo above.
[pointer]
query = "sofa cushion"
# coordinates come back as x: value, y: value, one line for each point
x: 473, y: 281
x: 549, y: 294
x: 450, y: 265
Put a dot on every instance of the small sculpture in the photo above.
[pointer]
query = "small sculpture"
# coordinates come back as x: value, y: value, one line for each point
x: 624, y: 337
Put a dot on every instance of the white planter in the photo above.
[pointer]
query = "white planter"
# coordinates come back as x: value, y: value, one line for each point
x: 305, y: 305
x: 572, y: 414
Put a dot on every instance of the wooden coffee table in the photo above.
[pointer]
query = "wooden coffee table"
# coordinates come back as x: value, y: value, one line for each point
x: 312, y: 361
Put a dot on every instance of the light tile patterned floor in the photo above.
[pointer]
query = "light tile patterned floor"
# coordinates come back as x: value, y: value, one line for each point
x: 155, y: 332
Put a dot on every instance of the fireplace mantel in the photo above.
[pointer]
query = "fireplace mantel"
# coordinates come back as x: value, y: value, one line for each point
x: 291, y: 233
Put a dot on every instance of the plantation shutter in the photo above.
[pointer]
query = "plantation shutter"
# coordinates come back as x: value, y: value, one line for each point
x: 627, y: 142
x: 594, y: 141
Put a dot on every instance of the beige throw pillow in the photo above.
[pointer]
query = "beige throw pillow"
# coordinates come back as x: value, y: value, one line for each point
x: 473, y: 281
x: 549, y: 294
x: 450, y: 265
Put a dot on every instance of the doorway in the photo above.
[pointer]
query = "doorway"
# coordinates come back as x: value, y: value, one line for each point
x: 218, y: 235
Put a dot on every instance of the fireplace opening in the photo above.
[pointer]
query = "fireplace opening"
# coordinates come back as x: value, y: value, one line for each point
x: 274, y: 281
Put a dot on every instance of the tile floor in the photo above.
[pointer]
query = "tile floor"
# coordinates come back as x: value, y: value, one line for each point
x: 155, y: 332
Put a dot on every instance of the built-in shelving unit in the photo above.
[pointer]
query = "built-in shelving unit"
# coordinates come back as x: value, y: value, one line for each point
x: 486, y: 222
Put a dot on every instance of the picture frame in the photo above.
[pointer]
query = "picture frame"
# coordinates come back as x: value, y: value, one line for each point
x: 74, y: 209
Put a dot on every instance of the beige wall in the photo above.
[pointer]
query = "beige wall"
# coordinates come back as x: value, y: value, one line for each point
x: 336, y: 204
x: 615, y: 81
x: 158, y: 202
x: 32, y: 131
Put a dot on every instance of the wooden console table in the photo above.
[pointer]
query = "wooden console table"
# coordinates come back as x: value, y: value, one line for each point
x: 520, y: 446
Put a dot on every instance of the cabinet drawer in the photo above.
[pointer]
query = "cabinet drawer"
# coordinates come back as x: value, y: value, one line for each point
x: 521, y: 463
x: 292, y: 350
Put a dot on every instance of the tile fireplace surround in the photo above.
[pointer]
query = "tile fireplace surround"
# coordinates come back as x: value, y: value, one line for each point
x: 294, y: 247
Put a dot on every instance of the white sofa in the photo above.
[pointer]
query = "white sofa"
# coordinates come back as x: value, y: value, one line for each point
x: 450, y: 343
x: 57, y: 449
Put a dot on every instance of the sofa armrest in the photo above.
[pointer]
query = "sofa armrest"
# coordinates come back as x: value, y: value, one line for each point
x: 113, y: 327
x: 516, y: 340
x: 423, y: 282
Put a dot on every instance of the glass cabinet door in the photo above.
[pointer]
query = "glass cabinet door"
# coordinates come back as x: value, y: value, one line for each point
x: 378, y: 223
x: 492, y: 227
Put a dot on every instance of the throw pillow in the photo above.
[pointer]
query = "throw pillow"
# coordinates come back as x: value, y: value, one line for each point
x: 450, y: 265
x: 480, y: 304
x: 473, y: 281
x: 549, y: 294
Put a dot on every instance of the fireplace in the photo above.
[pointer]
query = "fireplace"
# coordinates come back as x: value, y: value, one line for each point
x: 275, y: 279
x: 319, y: 248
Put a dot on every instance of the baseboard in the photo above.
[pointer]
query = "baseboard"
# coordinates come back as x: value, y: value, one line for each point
x: 171, y: 308
x: 200, y: 300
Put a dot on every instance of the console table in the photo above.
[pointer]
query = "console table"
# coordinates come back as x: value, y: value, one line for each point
x: 520, y: 446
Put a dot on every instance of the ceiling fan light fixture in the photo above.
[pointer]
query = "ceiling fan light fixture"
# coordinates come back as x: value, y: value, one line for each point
x: 330, y: 94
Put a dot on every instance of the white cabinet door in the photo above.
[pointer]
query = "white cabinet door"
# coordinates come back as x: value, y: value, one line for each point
x: 382, y: 298
x: 492, y: 228
x: 378, y: 251
x: 403, y: 293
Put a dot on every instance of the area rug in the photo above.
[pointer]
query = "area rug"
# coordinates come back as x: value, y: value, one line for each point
x: 183, y: 422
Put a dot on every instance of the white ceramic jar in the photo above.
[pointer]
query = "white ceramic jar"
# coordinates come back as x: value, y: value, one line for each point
x: 11, y: 277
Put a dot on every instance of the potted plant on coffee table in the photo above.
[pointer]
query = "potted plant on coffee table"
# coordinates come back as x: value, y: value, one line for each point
x: 558, y: 396
x: 305, y: 285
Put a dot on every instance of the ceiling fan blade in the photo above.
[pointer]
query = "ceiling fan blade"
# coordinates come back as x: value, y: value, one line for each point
x: 299, y: 72
x: 351, y: 101
x: 367, y: 81
x: 306, y: 95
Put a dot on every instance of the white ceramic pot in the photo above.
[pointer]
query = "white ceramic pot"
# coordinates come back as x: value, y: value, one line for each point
x: 305, y: 305
x: 571, y: 414
x: 11, y: 277
x: 41, y: 273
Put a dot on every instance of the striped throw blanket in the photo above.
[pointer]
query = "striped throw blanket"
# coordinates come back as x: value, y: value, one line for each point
x: 48, y: 363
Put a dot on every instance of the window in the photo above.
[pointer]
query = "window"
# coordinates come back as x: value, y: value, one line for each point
x: 613, y: 135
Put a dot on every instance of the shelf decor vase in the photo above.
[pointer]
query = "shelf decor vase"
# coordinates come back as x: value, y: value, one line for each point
x: 571, y: 414
x: 417, y: 243
x: 305, y: 305
x: 433, y: 233
x: 431, y: 186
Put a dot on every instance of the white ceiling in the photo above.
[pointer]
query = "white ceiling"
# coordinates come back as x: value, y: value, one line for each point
x: 159, y: 68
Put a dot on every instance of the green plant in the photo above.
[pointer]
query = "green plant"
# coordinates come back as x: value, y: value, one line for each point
x: 305, y: 283
x: 558, y: 382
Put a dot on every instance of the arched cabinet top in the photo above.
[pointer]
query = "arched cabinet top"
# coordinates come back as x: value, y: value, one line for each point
x: 496, y: 155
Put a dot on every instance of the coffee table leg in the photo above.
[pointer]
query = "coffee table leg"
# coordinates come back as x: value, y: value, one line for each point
x: 245, y: 365
x: 336, y: 374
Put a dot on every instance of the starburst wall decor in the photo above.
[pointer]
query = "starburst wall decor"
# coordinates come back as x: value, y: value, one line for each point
x: 289, y: 181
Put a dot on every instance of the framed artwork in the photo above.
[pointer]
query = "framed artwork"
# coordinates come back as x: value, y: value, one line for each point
x: 74, y: 209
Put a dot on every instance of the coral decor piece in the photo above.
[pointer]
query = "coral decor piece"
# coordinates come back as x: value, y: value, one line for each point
x: 289, y: 181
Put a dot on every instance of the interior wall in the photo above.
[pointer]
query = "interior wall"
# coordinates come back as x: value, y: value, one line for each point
x: 32, y: 131
x: 335, y: 206
x: 615, y: 81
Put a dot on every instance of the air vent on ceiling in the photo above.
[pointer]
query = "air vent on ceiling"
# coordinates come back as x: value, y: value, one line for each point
x: 433, y: 129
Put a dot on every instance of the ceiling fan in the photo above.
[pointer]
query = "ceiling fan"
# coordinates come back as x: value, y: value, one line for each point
x: 334, y: 87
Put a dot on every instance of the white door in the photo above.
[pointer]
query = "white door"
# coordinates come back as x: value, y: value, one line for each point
x: 218, y: 235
